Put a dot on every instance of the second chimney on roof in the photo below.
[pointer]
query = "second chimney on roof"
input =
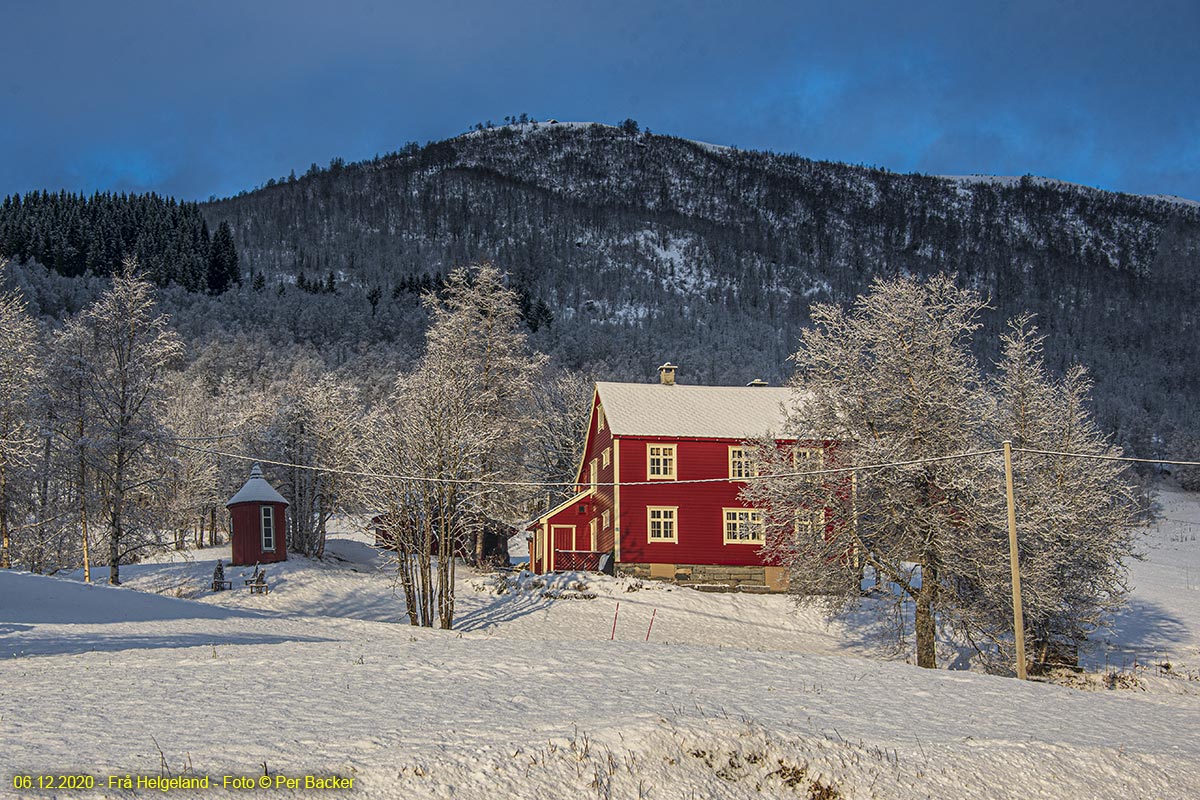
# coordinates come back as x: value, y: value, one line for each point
x: 666, y: 374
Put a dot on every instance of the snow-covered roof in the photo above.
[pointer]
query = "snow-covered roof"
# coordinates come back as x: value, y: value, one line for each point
x: 256, y: 490
x: 717, y: 412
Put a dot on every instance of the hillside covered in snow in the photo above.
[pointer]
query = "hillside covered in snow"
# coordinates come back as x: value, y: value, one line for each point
x: 538, y: 694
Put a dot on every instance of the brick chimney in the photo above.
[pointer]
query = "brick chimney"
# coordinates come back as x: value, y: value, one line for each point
x: 666, y: 374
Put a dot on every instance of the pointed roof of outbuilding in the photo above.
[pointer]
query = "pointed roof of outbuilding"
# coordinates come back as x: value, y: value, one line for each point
x: 256, y: 490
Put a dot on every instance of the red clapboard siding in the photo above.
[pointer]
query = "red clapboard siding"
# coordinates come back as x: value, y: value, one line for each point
x: 700, y: 507
x: 700, y: 519
x: 246, y: 527
x: 599, y: 439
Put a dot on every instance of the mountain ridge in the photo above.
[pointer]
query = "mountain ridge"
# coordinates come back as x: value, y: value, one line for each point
x: 629, y: 248
x: 646, y: 247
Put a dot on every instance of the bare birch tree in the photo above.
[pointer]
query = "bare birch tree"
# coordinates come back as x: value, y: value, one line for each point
x: 130, y: 348
x: 447, y: 436
x: 190, y: 472
x: 18, y: 379
x: 71, y: 421
x: 312, y: 422
x: 475, y: 327
x: 555, y: 434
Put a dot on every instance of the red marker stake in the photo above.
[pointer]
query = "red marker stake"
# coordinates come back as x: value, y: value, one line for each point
x: 614, y: 630
x: 651, y: 625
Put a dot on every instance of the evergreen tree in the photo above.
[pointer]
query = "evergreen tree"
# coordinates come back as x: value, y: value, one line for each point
x: 223, y: 270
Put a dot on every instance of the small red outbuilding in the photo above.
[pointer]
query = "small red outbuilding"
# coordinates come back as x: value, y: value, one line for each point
x: 258, y: 522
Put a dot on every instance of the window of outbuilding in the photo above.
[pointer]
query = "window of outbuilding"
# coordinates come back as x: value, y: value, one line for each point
x: 268, y: 528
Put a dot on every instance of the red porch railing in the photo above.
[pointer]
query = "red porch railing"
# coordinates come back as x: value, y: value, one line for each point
x: 577, y: 560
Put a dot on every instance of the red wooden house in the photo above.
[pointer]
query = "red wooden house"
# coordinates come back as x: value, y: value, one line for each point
x: 656, y: 435
x: 258, y: 525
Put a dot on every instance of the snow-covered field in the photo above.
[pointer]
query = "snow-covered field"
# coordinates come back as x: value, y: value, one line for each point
x: 731, y: 696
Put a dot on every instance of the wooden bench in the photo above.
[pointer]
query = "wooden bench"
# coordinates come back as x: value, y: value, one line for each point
x: 218, y: 586
x: 258, y: 584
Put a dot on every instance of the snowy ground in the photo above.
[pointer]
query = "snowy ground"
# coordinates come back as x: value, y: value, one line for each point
x: 732, y: 696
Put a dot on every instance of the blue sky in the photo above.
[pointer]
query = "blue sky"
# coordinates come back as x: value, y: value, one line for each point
x: 200, y: 99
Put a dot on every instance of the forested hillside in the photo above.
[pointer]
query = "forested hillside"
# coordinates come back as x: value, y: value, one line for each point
x: 646, y: 247
x: 628, y: 249
x: 74, y: 235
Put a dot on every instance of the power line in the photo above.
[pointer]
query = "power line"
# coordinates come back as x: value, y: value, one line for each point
x: 562, y: 484
x: 745, y: 479
x: 1107, y: 458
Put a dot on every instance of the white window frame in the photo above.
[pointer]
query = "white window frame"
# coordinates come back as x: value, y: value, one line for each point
x: 266, y: 527
x: 807, y: 523
x: 600, y: 422
x: 606, y: 519
x: 592, y: 532
x: 606, y: 457
x: 664, y: 515
x: 808, y: 459
x: 738, y: 517
x: 668, y: 455
x: 594, y: 472
x: 739, y: 465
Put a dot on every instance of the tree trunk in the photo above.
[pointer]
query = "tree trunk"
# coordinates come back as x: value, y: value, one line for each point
x: 926, y: 624
x: 114, y: 547
x: 43, y: 507
x: 5, y: 542
x: 116, y: 520
x: 83, y: 523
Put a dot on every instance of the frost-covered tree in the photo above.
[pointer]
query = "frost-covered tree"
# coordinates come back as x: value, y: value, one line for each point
x: 445, y: 439
x: 892, y: 379
x: 18, y: 379
x: 1074, y: 515
x: 311, y: 423
x: 556, y: 430
x: 433, y: 440
x: 191, y: 472
x: 475, y: 327
x: 71, y: 418
x: 130, y: 347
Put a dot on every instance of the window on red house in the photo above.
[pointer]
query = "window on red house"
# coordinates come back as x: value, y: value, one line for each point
x: 661, y: 525
x: 660, y: 461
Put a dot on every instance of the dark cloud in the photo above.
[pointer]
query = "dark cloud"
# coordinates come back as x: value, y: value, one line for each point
x: 199, y: 99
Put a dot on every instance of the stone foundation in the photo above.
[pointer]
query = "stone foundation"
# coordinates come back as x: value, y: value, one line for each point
x: 711, y: 577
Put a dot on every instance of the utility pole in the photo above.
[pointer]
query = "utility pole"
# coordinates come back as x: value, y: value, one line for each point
x: 1018, y: 617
